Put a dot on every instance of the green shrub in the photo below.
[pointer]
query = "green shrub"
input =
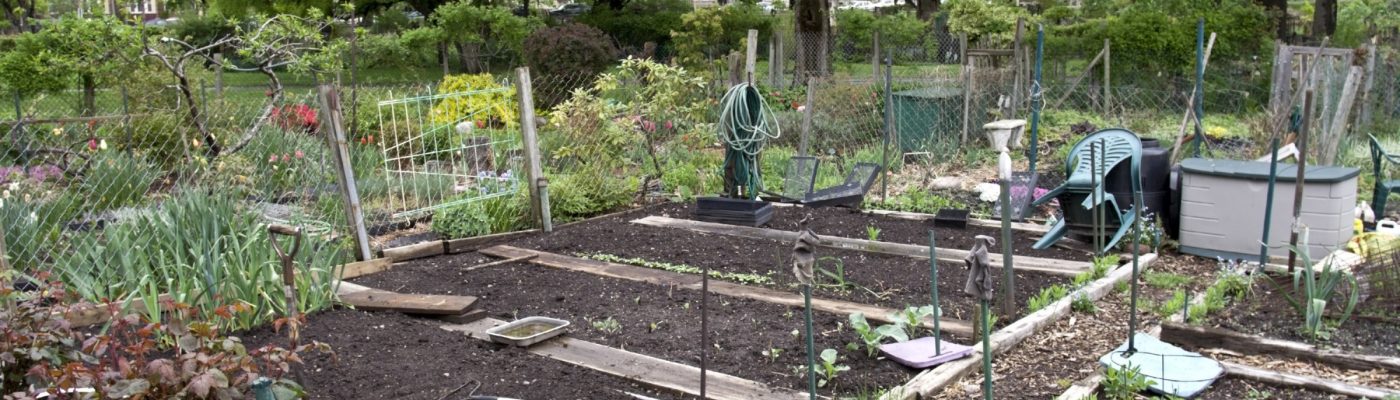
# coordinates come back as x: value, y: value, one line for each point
x: 494, y: 107
x: 1046, y: 297
x: 115, y: 180
x: 465, y: 220
x: 897, y: 30
x: 567, y: 56
x: 708, y: 33
x: 639, y: 21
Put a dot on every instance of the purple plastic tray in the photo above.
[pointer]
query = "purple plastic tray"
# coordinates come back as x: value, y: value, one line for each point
x: 919, y: 353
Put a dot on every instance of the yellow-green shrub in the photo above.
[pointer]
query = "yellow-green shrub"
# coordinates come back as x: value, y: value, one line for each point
x: 494, y: 106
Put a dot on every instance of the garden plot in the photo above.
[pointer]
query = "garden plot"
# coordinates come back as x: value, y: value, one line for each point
x: 881, y: 280
x: 1267, y: 312
x: 389, y: 355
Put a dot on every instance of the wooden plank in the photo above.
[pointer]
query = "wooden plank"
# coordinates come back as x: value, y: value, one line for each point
x: 914, y: 216
x: 640, y: 368
x: 428, y: 304
x: 1046, y: 265
x: 464, y: 318
x: 931, y: 381
x: 471, y: 244
x: 1326, y: 51
x: 692, y: 282
x: 1075, y: 84
x: 1206, y: 337
x: 499, y: 262
x: 414, y: 251
x: 1286, y: 379
x: 362, y: 268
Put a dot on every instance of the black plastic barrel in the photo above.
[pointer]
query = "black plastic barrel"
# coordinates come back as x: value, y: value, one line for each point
x: 1155, y: 171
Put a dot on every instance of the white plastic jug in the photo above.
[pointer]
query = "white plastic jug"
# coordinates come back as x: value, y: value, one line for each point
x: 1388, y: 227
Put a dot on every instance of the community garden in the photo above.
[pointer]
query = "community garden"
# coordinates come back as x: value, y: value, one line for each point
x: 656, y: 200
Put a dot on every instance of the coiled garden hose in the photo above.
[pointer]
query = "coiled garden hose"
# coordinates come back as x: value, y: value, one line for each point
x: 745, y: 125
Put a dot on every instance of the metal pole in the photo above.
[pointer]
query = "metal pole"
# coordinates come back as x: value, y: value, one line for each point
x: 1094, y: 196
x: 1298, y: 182
x: 126, y: 119
x: 1036, y: 101
x: 705, y: 326
x: 1200, y: 85
x: 1103, y: 197
x: 1269, y: 203
x: 889, y: 129
x: 933, y: 285
x: 812, y: 347
x: 986, y: 351
x: 1137, y: 238
x: 806, y: 118
x: 1107, y: 77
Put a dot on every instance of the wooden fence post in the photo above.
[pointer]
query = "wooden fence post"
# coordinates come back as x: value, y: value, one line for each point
x: 219, y: 74
x: 1107, y: 77
x: 538, y: 185
x: 340, y: 150
x: 775, y: 71
x: 1364, y: 120
x: 751, y: 56
x: 967, y: 86
x: 875, y: 56
x: 806, y: 118
x: 1020, y: 74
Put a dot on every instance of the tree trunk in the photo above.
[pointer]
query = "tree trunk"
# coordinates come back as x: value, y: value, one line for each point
x: 470, y: 54
x: 1324, y: 18
x: 812, y: 21
x: 927, y: 9
x: 1278, y: 10
x: 442, y: 56
x: 88, y: 107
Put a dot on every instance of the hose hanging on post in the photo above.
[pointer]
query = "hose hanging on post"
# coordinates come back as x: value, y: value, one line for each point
x: 745, y: 125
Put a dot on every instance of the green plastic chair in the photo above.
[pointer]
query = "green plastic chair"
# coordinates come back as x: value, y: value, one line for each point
x: 1384, y: 187
x: 1119, y: 145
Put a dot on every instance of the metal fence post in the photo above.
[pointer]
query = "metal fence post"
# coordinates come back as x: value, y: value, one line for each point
x: 889, y: 128
x: 967, y: 87
x: 340, y: 150
x: 1036, y: 100
x: 875, y: 55
x: 126, y: 119
x: 537, y: 184
x: 219, y: 74
x: 1200, y: 86
x: 807, y: 110
x: 1107, y: 77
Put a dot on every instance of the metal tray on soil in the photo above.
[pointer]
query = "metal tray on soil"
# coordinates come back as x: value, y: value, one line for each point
x: 527, y: 331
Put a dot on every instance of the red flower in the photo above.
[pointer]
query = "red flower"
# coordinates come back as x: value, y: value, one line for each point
x: 92, y: 144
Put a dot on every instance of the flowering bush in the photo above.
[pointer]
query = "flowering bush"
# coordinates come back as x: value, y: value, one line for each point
x: 296, y: 118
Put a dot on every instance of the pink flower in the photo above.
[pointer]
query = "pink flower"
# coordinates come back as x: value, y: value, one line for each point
x: 92, y: 144
x: 272, y: 158
x: 300, y: 154
x: 669, y: 126
x: 286, y: 157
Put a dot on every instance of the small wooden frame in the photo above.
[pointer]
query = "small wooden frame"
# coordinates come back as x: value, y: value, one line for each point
x: 362, y: 268
x: 1046, y: 265
x: 471, y: 244
x: 640, y: 368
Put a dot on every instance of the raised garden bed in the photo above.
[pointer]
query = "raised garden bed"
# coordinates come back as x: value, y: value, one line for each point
x: 1266, y: 312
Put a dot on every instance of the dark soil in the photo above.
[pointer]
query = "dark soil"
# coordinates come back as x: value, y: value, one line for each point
x: 1267, y: 312
x: 393, y: 356
x: 1235, y: 388
x: 654, y: 320
x: 888, y: 280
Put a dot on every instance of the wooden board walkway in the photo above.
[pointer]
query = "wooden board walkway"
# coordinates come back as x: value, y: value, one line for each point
x: 692, y: 282
x: 426, y: 304
x: 640, y: 368
x: 1046, y: 265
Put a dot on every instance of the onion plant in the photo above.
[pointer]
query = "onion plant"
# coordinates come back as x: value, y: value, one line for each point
x: 203, y: 250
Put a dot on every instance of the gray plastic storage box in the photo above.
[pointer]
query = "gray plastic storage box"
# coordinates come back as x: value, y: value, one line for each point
x: 1222, y: 207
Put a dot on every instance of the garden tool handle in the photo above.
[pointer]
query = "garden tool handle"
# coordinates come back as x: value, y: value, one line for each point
x: 286, y: 256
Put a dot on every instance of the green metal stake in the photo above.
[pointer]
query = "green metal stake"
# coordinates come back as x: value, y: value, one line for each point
x: 1137, y: 239
x: 1036, y: 101
x: 889, y: 126
x: 811, y: 347
x: 1094, y: 196
x: 1269, y: 203
x: 986, y: 352
x: 933, y: 284
x: 1200, y: 85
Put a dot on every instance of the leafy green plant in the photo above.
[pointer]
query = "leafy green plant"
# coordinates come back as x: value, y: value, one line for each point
x: 203, y: 250
x: 1097, y: 270
x: 872, y: 233
x: 1172, y: 305
x: 1046, y: 297
x: 910, y: 318
x: 1165, y: 280
x: 829, y: 368
x: 872, y: 337
x: 493, y: 105
x: 772, y: 354
x: 1124, y: 383
x: 608, y: 325
x: 837, y: 273
x: 1312, y: 290
x: 1082, y: 304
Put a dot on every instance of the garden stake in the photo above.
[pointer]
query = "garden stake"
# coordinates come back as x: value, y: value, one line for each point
x: 1200, y: 86
x: 1102, y: 226
x: 933, y: 284
x: 1094, y: 196
x: 889, y: 122
x: 1137, y: 239
x: 804, y: 257
x: 986, y: 352
x: 1036, y: 101
x: 704, y: 325
x: 1008, y: 279
x: 1269, y: 202
x: 979, y: 284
